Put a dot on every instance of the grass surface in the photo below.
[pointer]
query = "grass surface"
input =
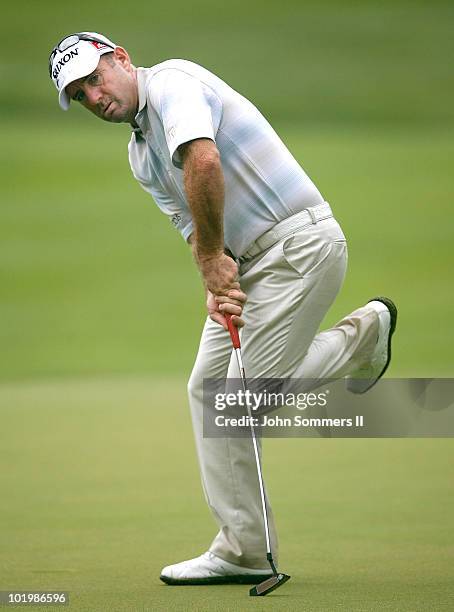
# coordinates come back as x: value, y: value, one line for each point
x: 100, y: 490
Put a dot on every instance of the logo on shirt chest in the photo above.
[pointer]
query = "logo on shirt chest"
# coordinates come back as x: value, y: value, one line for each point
x: 171, y: 132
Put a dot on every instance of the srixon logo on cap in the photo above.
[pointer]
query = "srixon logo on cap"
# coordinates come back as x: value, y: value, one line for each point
x: 63, y: 60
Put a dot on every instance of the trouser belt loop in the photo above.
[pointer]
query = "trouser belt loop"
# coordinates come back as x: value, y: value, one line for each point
x: 312, y: 215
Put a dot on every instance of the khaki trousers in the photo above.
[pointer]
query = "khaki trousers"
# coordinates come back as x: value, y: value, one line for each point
x: 290, y: 287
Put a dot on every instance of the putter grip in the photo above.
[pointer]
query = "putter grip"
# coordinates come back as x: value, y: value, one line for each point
x: 233, y: 330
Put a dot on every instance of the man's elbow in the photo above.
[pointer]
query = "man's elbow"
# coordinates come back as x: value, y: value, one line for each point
x: 209, y: 163
x: 203, y: 157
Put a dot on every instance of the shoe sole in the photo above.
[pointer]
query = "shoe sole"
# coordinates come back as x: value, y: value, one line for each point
x: 393, y: 315
x: 237, y: 579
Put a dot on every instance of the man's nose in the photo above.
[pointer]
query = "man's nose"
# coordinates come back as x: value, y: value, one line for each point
x: 93, y: 95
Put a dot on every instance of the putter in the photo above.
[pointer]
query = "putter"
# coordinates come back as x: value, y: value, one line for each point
x: 277, y: 579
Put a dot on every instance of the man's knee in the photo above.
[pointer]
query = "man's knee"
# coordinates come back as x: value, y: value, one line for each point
x: 195, y: 384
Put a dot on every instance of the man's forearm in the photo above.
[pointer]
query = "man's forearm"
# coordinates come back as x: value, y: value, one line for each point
x: 204, y: 186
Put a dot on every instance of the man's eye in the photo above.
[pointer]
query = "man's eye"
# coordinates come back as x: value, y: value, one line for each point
x: 94, y: 79
x: 79, y: 96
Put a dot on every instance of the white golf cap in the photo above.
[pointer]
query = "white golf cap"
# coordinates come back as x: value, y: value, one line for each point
x: 75, y: 57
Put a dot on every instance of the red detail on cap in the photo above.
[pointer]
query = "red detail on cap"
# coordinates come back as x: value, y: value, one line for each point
x: 98, y: 45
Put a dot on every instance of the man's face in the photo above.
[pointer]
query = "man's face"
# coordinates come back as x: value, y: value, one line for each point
x: 110, y: 92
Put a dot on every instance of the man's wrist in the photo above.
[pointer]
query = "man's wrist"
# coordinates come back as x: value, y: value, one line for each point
x: 204, y: 256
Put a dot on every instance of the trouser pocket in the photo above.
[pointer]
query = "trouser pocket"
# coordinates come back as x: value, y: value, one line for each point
x: 312, y: 249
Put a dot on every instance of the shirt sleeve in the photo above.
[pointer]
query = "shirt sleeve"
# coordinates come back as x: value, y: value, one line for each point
x: 188, y: 109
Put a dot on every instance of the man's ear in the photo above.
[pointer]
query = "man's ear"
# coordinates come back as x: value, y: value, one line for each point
x: 122, y: 56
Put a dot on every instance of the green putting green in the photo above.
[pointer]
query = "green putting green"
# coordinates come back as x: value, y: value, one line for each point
x: 100, y: 489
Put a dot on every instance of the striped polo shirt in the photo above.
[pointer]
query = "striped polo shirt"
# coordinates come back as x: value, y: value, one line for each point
x: 180, y: 101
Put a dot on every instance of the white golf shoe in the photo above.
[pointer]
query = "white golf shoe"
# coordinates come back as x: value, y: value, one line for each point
x: 369, y: 373
x: 210, y: 569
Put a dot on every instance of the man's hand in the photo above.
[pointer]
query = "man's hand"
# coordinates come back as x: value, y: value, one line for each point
x: 219, y: 273
x: 224, y: 293
x: 233, y: 303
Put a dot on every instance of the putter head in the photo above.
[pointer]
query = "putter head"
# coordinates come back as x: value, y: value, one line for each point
x: 268, y: 585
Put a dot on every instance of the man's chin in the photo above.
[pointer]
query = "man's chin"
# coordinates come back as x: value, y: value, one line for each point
x: 116, y: 115
x: 114, y: 118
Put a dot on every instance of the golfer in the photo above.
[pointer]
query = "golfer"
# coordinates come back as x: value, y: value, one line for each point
x: 258, y: 227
